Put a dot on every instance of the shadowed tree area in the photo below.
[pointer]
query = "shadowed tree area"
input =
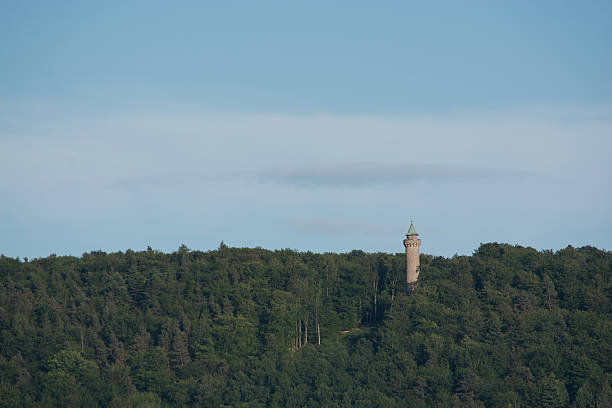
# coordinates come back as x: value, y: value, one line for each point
x: 238, y: 327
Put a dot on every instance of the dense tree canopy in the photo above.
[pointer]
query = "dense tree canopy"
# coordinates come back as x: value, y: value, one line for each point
x: 238, y: 327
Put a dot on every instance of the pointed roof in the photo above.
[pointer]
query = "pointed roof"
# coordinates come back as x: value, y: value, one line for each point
x: 411, y: 230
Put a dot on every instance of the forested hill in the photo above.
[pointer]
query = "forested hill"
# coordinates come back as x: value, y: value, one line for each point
x: 235, y: 327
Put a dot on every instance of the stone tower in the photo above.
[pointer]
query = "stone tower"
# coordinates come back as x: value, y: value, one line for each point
x: 412, y: 244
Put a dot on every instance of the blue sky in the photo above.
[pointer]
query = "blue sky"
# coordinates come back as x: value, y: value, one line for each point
x: 313, y: 126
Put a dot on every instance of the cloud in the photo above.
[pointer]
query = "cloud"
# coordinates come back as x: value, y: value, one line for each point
x: 372, y: 174
x: 143, y: 182
x: 338, y: 226
x: 505, y: 176
x: 321, y: 175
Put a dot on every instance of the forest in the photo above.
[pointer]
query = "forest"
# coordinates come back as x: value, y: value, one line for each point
x: 507, y: 326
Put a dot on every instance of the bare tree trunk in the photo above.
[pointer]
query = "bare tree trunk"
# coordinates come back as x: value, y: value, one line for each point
x: 300, y: 334
x: 549, y: 303
x: 306, y: 331
x: 393, y: 285
x: 550, y: 287
x: 318, y: 334
x: 375, y: 285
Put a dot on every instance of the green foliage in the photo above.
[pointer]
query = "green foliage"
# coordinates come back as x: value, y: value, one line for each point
x: 508, y: 326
